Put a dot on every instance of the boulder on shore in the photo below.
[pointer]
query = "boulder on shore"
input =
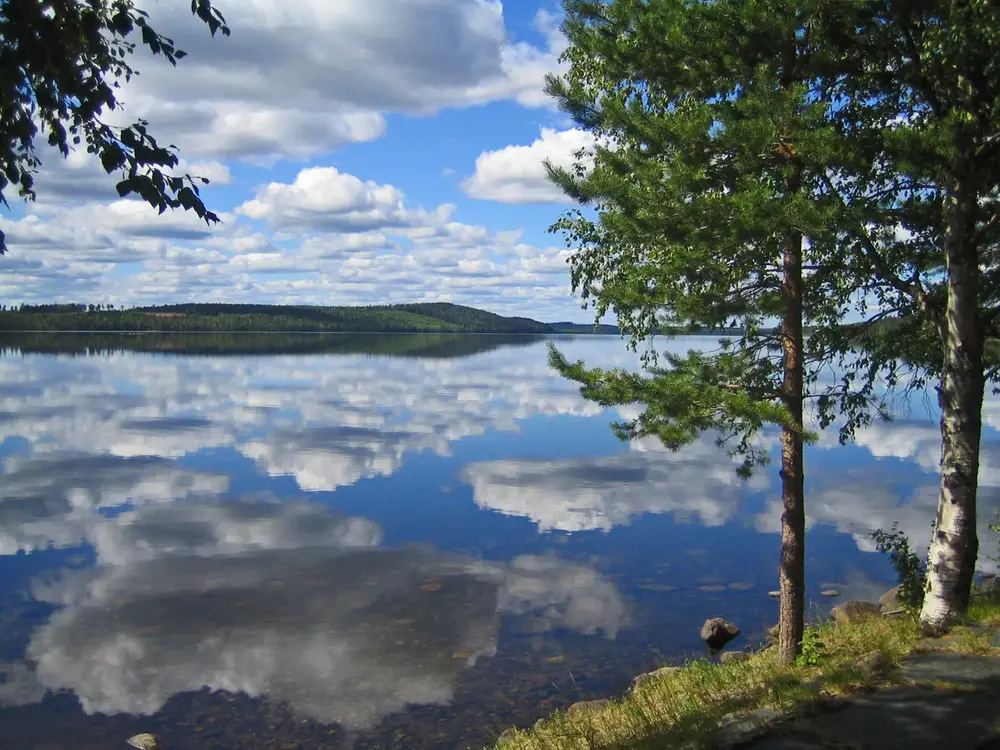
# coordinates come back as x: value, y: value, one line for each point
x: 584, y: 707
x: 642, y: 679
x: 727, y: 656
x: 854, y: 611
x: 716, y: 633
x: 890, y: 600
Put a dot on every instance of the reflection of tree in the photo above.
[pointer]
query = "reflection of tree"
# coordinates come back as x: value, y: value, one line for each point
x: 434, y: 345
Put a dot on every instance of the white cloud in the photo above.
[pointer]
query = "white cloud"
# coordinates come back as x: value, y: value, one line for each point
x: 325, y: 200
x: 516, y: 174
x: 328, y: 235
x: 302, y: 77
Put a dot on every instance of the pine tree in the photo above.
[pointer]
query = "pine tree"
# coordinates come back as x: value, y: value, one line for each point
x: 715, y: 138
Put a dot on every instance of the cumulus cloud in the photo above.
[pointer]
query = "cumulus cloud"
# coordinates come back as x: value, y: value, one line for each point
x: 323, y: 199
x: 516, y: 174
x: 302, y: 77
x: 326, y: 235
x: 296, y: 80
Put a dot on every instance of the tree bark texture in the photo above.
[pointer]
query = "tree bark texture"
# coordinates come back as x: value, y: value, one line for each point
x: 793, y: 516
x: 951, y: 559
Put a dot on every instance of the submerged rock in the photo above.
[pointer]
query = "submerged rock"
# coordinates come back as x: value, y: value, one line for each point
x: 716, y: 633
x: 854, y: 611
x: 144, y: 741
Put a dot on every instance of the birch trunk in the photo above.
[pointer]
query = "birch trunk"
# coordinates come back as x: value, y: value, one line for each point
x: 951, y: 560
x: 791, y: 614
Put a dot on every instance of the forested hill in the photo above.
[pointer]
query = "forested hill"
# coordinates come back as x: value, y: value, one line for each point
x: 438, y: 317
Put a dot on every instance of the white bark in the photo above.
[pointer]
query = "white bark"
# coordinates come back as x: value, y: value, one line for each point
x: 951, y: 559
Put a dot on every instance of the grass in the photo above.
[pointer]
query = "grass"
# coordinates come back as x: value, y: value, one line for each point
x: 686, y: 708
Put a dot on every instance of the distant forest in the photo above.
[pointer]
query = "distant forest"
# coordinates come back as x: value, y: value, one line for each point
x: 424, y: 317
x: 414, y: 318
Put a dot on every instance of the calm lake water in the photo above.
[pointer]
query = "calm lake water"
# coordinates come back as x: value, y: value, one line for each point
x: 396, y: 541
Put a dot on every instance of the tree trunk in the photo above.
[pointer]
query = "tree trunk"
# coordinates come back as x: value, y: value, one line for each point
x: 951, y: 560
x: 793, y: 515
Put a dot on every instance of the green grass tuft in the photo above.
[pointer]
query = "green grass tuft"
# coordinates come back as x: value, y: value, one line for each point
x: 685, y: 708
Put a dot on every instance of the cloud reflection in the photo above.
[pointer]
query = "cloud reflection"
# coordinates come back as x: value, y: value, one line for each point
x: 290, y: 601
x: 585, y: 494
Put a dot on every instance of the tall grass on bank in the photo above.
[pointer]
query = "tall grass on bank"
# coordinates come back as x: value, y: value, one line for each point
x: 686, y: 707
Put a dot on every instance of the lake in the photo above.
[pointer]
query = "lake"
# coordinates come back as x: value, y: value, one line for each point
x: 384, y: 541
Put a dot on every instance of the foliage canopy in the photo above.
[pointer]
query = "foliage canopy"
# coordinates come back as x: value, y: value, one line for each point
x: 61, y: 64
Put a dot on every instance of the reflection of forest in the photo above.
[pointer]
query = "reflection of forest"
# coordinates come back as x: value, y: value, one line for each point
x: 430, y: 345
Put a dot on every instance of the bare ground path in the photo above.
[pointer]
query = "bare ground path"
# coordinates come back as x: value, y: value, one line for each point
x: 949, y: 700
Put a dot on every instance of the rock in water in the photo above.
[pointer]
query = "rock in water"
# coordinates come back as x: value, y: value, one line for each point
x: 830, y: 592
x: 853, y: 611
x: 890, y: 600
x: 716, y: 633
x: 145, y: 741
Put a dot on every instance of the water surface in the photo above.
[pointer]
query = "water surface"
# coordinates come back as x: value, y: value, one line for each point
x: 381, y: 541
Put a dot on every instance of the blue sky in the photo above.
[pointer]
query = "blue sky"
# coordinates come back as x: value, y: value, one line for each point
x: 363, y: 151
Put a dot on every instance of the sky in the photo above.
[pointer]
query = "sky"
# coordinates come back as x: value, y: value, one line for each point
x: 359, y: 152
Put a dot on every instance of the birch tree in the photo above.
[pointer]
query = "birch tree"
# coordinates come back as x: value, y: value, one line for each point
x: 925, y: 96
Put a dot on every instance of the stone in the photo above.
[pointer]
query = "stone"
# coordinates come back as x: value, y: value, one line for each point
x: 737, y: 729
x: 875, y: 665
x: 727, y: 656
x: 854, y: 611
x: 586, y: 707
x: 774, y: 594
x: 642, y: 679
x: 890, y: 601
x: 716, y: 633
x: 830, y: 592
x: 773, y: 632
x: 144, y: 741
